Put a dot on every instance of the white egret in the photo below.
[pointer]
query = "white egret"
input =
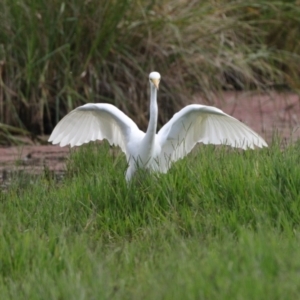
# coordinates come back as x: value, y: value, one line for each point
x: 154, y: 151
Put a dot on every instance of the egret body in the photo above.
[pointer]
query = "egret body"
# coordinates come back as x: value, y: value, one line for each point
x: 193, y: 124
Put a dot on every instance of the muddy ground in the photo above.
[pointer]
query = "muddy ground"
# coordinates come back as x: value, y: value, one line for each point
x: 265, y: 113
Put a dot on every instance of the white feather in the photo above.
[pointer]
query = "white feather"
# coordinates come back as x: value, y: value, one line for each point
x: 202, y: 124
x: 92, y: 122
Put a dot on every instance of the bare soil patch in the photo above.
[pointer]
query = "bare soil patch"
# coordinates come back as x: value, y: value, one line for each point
x: 265, y: 113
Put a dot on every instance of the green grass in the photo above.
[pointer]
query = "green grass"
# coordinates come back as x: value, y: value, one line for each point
x: 55, y: 56
x: 222, y: 224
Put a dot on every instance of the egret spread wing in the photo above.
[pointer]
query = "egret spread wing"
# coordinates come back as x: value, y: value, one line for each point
x: 209, y: 125
x: 92, y: 122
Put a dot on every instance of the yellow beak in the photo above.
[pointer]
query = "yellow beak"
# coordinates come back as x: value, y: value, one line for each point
x: 155, y: 82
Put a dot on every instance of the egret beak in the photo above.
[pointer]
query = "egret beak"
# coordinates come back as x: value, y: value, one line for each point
x: 156, y: 83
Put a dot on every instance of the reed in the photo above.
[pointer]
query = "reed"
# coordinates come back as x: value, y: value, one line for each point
x: 57, y: 55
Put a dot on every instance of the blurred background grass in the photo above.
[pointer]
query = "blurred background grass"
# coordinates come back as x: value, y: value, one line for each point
x: 57, y: 55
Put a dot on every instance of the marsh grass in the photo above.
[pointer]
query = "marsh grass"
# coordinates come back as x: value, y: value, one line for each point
x: 222, y: 224
x: 56, y: 56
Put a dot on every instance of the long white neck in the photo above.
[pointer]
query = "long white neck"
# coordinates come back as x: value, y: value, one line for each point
x: 149, y: 138
x: 145, y: 151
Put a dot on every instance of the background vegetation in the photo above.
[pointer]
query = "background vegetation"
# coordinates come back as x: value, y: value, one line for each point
x: 57, y: 55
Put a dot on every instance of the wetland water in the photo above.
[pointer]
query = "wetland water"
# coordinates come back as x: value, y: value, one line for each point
x: 265, y: 113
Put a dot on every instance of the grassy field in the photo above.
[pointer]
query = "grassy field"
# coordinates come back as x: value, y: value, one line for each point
x: 222, y: 224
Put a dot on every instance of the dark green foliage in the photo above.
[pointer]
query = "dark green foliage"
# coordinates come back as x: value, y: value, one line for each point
x: 57, y: 55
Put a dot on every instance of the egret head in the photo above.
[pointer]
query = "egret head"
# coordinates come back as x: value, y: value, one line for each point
x: 154, y: 78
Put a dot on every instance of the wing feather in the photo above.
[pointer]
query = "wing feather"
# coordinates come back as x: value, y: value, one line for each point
x: 92, y: 122
x: 202, y: 124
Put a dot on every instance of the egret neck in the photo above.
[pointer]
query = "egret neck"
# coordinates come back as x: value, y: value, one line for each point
x: 147, y: 144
